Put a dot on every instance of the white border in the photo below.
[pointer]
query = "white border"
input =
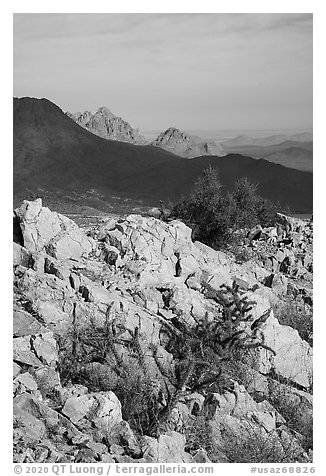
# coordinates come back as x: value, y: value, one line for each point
x: 166, y: 6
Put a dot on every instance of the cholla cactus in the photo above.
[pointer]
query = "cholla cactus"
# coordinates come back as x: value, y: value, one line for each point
x: 234, y: 329
x: 200, y: 351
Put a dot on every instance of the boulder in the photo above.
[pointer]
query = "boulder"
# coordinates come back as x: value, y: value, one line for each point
x: 294, y: 356
x: 57, y: 234
x: 38, y: 419
x: 107, y: 226
x: 23, y: 352
x: 25, y: 324
x: 60, y: 270
x: 27, y: 381
x: 168, y: 448
x: 45, y: 348
x: 103, y: 409
x: 121, y: 434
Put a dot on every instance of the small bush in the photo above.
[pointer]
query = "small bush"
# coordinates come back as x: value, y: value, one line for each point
x: 216, y: 216
x: 208, y: 210
x: 250, y: 208
x: 92, y: 356
x: 199, y: 436
x: 255, y: 449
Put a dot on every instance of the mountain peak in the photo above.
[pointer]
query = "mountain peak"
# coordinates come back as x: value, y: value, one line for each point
x: 107, y: 125
x: 105, y: 111
x: 186, y: 145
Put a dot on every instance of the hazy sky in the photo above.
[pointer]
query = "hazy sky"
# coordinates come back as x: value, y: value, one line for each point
x: 192, y: 71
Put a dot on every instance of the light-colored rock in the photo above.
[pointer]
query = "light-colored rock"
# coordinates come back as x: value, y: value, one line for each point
x: 34, y: 427
x: 105, y: 124
x: 48, y: 379
x: 27, y: 380
x: 22, y: 352
x: 45, y: 347
x: 57, y: 234
x: 293, y: 359
x: 121, y: 434
x: 168, y: 448
x: 108, y: 225
x: 101, y: 408
x: 195, y: 402
x: 185, y: 145
x: 37, y: 418
x: 60, y: 270
x: 92, y: 292
x: 156, y: 278
x: 21, y: 256
x: 25, y: 324
x: 16, y: 370
x: 201, y: 456
x: 72, y: 391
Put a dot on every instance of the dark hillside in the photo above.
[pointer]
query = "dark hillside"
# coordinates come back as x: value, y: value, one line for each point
x: 53, y: 153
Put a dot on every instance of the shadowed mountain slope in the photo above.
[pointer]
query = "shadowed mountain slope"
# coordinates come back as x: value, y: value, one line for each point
x: 52, y: 152
x: 48, y: 145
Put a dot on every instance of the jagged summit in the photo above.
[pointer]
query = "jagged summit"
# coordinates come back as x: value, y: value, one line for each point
x: 107, y: 125
x: 186, y: 145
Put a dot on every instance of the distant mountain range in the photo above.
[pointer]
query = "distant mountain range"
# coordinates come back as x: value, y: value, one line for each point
x: 105, y: 124
x: 294, y: 151
x: 290, y: 153
x: 245, y: 140
x: 52, y: 152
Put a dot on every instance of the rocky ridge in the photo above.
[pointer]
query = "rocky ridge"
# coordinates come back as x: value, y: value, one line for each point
x: 139, y: 278
x: 105, y: 124
x: 185, y: 145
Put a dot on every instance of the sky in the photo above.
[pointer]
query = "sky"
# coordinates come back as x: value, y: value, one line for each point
x: 192, y: 71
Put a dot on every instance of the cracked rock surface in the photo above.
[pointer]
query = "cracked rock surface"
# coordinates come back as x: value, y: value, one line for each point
x: 137, y: 277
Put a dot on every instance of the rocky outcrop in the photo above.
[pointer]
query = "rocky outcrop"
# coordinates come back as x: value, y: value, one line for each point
x: 97, y: 318
x: 104, y: 123
x: 56, y: 234
x: 186, y: 145
x: 286, y: 253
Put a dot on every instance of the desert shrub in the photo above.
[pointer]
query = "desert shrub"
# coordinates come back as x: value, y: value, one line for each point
x: 298, y: 315
x: 250, y: 448
x: 199, y: 436
x: 250, y: 208
x: 254, y: 449
x: 216, y: 216
x: 208, y: 210
x: 92, y: 356
x: 111, y: 357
